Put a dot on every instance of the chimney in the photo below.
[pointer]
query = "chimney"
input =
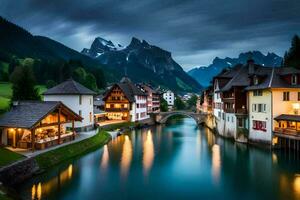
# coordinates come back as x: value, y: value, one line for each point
x: 250, y: 63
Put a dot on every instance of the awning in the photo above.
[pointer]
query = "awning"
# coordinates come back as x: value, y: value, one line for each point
x: 294, y: 118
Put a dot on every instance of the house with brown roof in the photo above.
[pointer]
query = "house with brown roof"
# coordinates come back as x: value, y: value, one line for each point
x: 125, y: 101
x: 37, y: 124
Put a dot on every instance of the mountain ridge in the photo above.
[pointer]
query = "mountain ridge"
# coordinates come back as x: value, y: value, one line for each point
x: 204, y: 74
x: 139, y: 58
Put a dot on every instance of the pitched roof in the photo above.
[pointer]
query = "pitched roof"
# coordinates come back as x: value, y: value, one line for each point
x: 128, y: 88
x: 285, y: 117
x: 274, y: 79
x: 69, y: 87
x: 241, y: 78
x: 28, y: 113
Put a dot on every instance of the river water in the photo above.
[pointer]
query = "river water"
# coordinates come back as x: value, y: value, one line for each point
x: 178, y: 160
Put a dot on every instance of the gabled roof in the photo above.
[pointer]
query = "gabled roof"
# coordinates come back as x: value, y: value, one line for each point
x: 274, y: 79
x: 285, y: 117
x: 69, y: 87
x: 28, y: 113
x: 241, y: 78
x: 128, y: 88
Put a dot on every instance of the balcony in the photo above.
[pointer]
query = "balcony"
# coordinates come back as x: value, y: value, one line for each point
x: 117, y: 109
x: 241, y: 111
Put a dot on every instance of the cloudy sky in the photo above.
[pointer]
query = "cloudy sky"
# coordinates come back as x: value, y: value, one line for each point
x: 195, y: 31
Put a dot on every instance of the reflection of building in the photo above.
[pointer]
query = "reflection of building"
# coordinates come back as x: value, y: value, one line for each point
x: 170, y: 98
x: 125, y: 101
x: 274, y: 97
x: 153, y: 98
x: 37, y: 125
x: 77, y: 97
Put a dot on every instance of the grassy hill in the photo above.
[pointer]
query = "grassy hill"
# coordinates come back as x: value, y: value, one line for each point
x: 6, y: 93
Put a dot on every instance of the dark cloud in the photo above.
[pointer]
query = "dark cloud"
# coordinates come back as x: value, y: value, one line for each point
x: 195, y: 31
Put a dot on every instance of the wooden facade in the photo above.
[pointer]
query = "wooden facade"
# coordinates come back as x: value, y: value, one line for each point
x: 117, y: 105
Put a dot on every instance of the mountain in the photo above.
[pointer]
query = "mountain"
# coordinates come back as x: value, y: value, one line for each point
x: 143, y: 62
x: 204, y: 74
x: 17, y: 43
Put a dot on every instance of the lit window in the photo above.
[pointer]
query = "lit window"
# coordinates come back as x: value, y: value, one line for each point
x: 90, y: 117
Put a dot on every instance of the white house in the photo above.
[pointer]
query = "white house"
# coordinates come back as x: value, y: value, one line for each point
x: 169, y: 96
x: 274, y: 105
x: 125, y: 101
x: 76, y: 97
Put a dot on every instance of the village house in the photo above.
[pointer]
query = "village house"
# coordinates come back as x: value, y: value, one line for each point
x: 169, y: 96
x: 99, y: 113
x: 153, y: 98
x: 230, y: 103
x: 274, y: 96
x: 205, y: 101
x: 76, y: 97
x: 37, y: 125
x: 125, y: 101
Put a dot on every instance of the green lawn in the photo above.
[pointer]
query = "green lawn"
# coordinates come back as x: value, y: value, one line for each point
x: 6, y: 93
x: 64, y: 153
x: 7, y: 157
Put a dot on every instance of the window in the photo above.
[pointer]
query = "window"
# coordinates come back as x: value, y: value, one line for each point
x: 90, y: 101
x: 257, y: 93
x: 259, y: 125
x: 80, y: 99
x: 223, y: 116
x: 219, y: 114
x: 286, y: 96
x: 255, y: 80
x: 90, y: 116
x: 80, y: 114
x: 294, y: 80
x: 253, y: 107
x: 240, y: 122
x: 298, y: 96
x: 228, y: 118
x: 137, y: 116
x: 232, y: 120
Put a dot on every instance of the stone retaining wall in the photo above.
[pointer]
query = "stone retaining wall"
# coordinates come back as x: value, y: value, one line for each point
x: 18, y: 171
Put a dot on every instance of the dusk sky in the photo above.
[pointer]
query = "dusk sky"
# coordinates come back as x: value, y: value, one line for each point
x: 195, y: 31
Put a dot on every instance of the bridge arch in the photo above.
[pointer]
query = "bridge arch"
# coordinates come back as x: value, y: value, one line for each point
x: 164, y: 116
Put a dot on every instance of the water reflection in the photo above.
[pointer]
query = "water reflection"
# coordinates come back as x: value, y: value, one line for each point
x: 37, y: 190
x: 216, y: 162
x: 180, y: 172
x: 126, y: 157
x: 148, y: 153
x: 105, y: 158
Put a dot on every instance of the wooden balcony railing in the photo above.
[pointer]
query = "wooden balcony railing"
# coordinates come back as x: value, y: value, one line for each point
x: 117, y: 109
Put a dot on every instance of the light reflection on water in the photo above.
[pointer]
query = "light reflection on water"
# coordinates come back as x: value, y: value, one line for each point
x: 178, y: 161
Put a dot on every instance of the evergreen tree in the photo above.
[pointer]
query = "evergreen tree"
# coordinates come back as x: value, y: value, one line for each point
x: 179, y: 104
x: 192, y: 102
x: 163, y: 105
x: 292, y: 57
x: 90, y: 82
x: 24, y: 84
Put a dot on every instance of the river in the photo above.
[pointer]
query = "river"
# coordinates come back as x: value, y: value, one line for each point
x: 178, y: 160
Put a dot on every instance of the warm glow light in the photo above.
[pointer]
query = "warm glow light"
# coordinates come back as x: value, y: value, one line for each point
x: 297, y: 185
x: 296, y: 106
x: 105, y: 158
x: 70, y: 171
x: 33, y: 192
x: 275, y: 140
x: 126, y: 156
x: 216, y: 162
x: 274, y: 158
x: 39, y: 191
x: 148, y: 153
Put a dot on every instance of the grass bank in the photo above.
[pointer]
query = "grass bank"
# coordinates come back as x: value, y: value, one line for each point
x: 64, y: 153
x: 7, y: 157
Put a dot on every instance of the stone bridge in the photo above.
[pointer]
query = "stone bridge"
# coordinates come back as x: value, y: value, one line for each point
x: 162, y: 117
